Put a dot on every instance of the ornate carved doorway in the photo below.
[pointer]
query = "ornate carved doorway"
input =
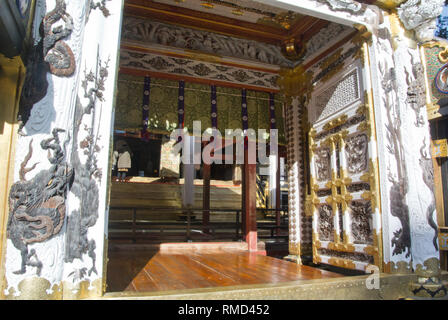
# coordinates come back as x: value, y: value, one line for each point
x: 342, y: 195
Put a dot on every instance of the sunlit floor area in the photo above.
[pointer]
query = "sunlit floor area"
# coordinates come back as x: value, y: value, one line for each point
x: 192, y: 266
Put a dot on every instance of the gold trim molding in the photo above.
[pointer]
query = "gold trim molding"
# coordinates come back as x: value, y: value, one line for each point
x: 343, y: 263
x: 388, y: 4
x: 370, y: 177
x: 296, y: 82
x: 40, y: 289
x: 284, y: 20
x: 366, y: 109
x: 294, y: 248
x: 433, y: 111
x: 363, y: 35
x: 342, y: 247
x: 335, y: 69
x: 430, y: 268
x: 428, y: 282
x: 399, y: 267
x: 443, y: 54
x: 335, y: 122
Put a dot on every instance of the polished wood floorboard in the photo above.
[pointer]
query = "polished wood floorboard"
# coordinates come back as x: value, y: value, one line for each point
x: 144, y: 271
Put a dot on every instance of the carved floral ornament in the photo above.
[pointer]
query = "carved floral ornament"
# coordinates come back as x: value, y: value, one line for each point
x: 152, y: 32
x: 421, y: 16
x: 344, y: 5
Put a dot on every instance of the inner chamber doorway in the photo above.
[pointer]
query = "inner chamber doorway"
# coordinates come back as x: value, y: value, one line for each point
x: 169, y: 76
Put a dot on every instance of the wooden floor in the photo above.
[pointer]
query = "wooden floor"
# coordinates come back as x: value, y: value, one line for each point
x: 149, y: 271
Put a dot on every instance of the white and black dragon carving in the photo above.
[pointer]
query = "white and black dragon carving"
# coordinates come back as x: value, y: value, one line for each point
x: 51, y: 54
x: 37, y: 206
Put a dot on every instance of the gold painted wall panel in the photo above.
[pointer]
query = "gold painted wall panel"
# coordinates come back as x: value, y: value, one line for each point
x: 12, y: 74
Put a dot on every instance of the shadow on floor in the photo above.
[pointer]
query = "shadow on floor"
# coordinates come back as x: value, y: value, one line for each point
x: 123, y: 267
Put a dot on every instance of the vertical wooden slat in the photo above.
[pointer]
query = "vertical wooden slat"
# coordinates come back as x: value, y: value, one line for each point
x: 237, y: 225
x: 206, y: 198
x: 250, y: 202
x: 134, y: 219
x: 277, y: 198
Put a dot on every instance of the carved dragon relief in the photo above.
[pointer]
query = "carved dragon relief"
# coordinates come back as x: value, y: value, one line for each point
x: 416, y: 98
x: 57, y: 53
x: 417, y: 15
x: 50, y: 54
x: 37, y: 206
x: 145, y: 31
x: 344, y: 5
x: 421, y: 16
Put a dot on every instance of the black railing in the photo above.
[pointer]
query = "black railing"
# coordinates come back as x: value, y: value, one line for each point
x: 187, y: 226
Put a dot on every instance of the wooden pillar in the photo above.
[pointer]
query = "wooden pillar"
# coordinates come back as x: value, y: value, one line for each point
x: 249, y: 203
x: 243, y: 201
x: 205, y: 197
x: 277, y: 197
x: 188, y: 172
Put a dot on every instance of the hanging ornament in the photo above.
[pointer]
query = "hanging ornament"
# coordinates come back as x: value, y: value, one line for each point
x: 145, y: 108
x: 214, y: 109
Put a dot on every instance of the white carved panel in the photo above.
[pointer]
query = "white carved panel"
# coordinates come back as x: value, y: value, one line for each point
x: 148, y: 61
x: 60, y: 239
x: 335, y: 96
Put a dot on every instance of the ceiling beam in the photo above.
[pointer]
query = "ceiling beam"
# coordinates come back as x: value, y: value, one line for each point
x: 307, y: 26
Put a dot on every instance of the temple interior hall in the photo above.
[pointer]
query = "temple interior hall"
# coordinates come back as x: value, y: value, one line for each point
x: 223, y: 149
x: 218, y: 64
